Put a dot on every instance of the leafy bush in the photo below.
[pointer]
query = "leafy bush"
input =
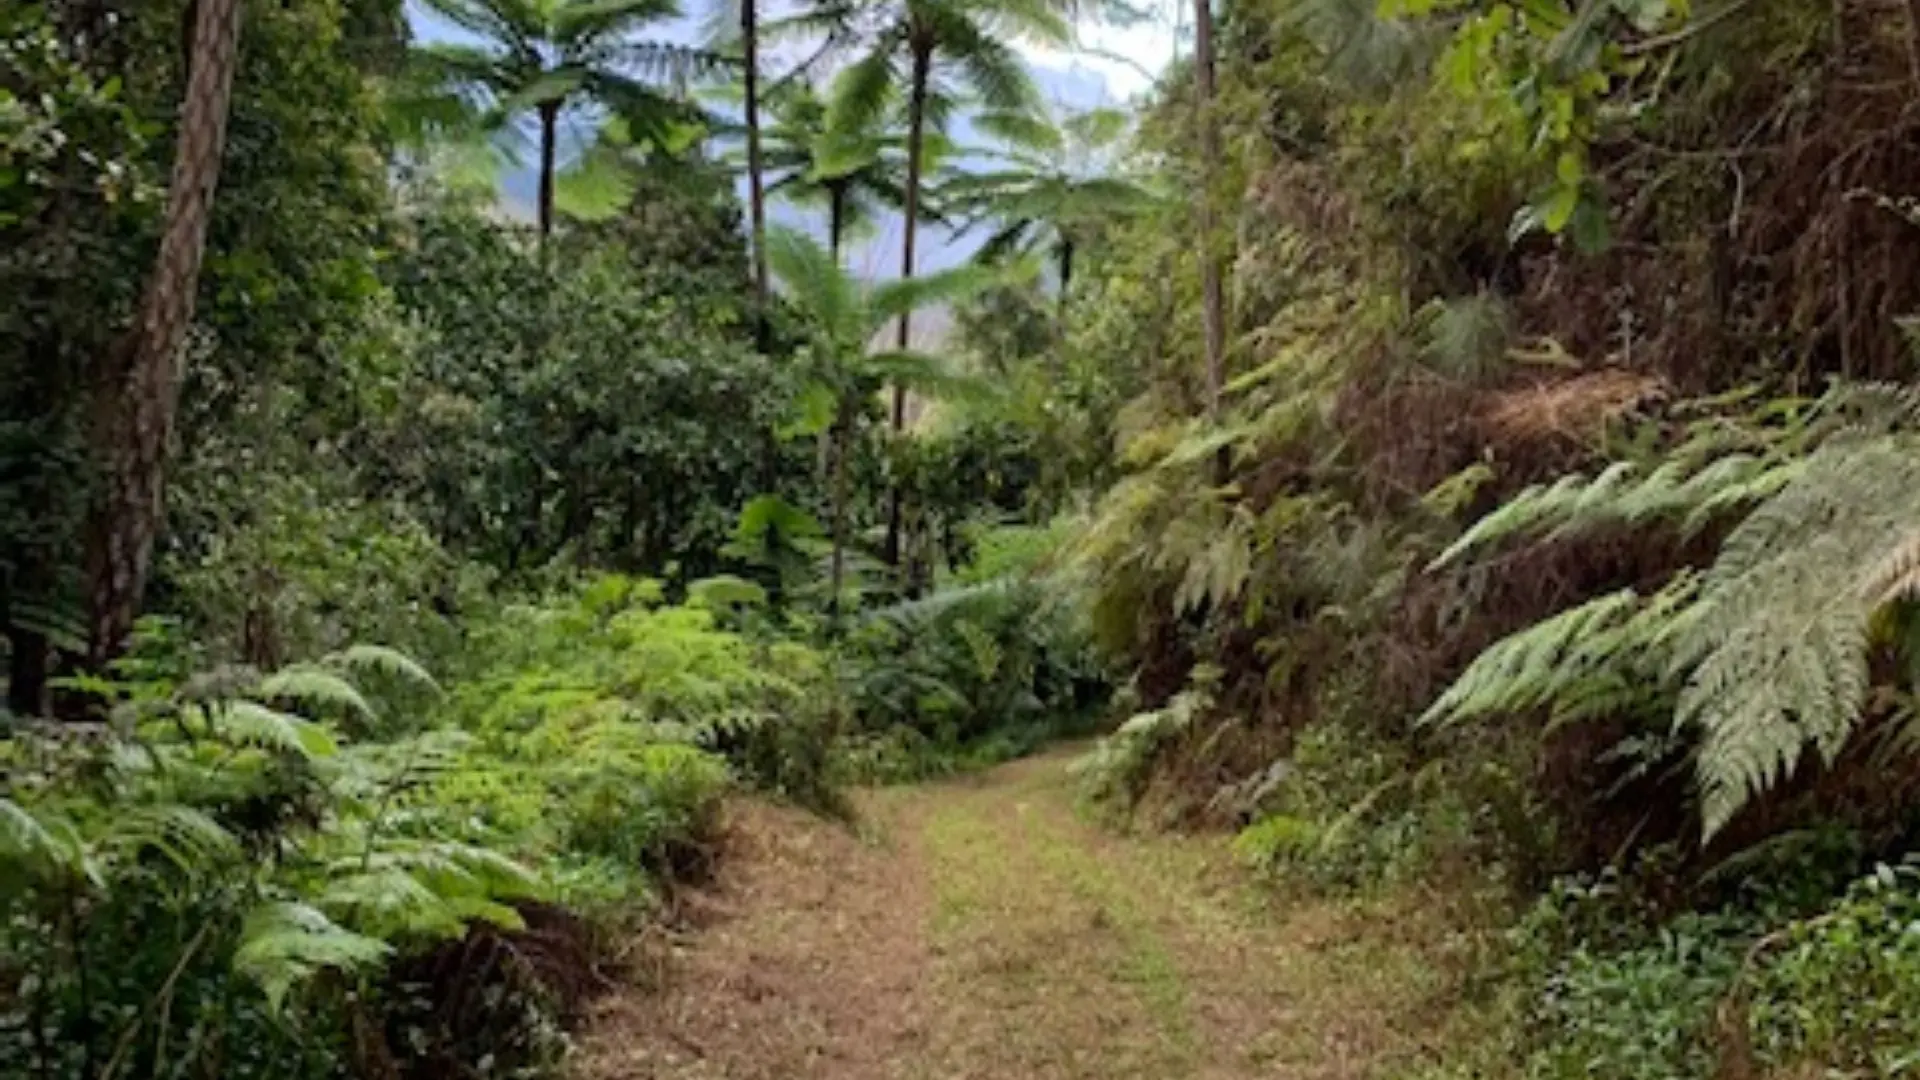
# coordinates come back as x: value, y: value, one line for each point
x: 179, y: 887
x: 612, y: 665
x: 1838, y: 988
x: 1114, y: 773
x: 972, y: 674
x: 1346, y: 809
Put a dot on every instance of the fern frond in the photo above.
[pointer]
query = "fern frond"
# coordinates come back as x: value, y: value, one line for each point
x: 40, y: 845
x: 391, y: 662
x: 313, y: 686
x: 187, y: 838
x: 283, y: 944
x: 1778, y: 660
x: 249, y: 723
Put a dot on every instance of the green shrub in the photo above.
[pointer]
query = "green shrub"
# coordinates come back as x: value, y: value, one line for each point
x: 612, y: 656
x: 979, y: 673
x: 217, y: 880
x: 1839, y: 987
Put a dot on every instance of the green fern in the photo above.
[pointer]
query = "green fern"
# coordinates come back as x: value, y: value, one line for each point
x: 1763, y: 657
x: 313, y: 686
x: 38, y: 847
x: 249, y: 723
x: 1606, y: 657
x: 390, y: 662
x: 285, y: 943
x: 1777, y: 657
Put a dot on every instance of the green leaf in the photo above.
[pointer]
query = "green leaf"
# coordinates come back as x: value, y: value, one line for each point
x: 814, y: 412
x: 312, y: 685
x: 250, y: 723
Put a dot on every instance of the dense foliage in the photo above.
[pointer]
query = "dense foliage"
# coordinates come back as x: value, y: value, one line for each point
x: 1471, y: 442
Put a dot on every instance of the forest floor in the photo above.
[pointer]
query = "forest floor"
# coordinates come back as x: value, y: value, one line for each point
x: 980, y: 928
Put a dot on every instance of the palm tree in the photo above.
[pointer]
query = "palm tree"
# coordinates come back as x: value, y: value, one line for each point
x: 964, y: 43
x: 1055, y: 188
x: 854, y: 175
x: 847, y: 314
x: 756, y: 193
x: 548, y: 55
x: 141, y: 394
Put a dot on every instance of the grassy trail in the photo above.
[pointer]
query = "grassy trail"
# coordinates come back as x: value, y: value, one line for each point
x: 980, y: 929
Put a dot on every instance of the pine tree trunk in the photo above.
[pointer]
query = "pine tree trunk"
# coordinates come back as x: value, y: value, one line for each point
x: 140, y: 387
x: 916, y: 136
x: 756, y: 191
x: 549, y: 123
x: 1213, y: 314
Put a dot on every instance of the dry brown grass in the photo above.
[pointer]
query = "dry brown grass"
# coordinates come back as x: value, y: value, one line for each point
x: 984, y: 930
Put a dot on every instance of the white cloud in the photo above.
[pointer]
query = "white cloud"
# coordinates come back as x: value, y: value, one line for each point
x: 1126, y: 59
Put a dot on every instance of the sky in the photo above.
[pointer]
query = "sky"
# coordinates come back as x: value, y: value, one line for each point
x: 1111, y: 66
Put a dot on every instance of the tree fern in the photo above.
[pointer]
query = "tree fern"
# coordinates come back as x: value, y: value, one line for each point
x: 390, y: 662
x: 249, y: 723
x: 1763, y: 655
x: 284, y: 943
x: 1605, y: 657
x: 1777, y: 657
x: 312, y: 685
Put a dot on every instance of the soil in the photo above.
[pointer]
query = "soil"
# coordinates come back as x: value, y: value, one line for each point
x: 984, y: 930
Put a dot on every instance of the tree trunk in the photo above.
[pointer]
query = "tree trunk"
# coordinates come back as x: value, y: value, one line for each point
x: 756, y: 191
x: 549, y: 123
x: 140, y: 387
x: 27, y: 671
x: 1066, y: 278
x: 836, y: 217
x: 916, y: 136
x: 842, y: 451
x: 1212, y: 313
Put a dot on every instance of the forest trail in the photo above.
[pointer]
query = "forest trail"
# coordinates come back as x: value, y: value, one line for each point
x: 980, y: 928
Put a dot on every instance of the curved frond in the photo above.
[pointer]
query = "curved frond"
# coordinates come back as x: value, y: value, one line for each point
x: 249, y: 723
x: 386, y: 661
x: 283, y: 944
x: 313, y: 685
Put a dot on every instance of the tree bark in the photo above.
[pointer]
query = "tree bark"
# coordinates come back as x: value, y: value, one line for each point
x: 1212, y: 313
x: 916, y: 136
x: 842, y: 451
x: 756, y: 190
x: 836, y: 217
x: 139, y: 391
x: 549, y: 124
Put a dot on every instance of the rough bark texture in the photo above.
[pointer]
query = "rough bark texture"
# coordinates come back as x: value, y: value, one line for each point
x: 1213, y: 316
x: 140, y: 386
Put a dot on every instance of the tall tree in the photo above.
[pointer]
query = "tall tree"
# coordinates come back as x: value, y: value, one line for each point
x: 546, y: 56
x: 1054, y: 187
x: 140, y: 392
x: 853, y: 175
x: 1212, y: 311
x: 965, y: 43
x: 756, y: 191
x: 848, y: 315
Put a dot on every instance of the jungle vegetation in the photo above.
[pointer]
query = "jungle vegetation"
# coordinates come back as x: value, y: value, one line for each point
x: 1460, y: 442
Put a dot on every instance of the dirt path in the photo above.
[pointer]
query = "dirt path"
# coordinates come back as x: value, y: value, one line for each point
x: 980, y: 930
